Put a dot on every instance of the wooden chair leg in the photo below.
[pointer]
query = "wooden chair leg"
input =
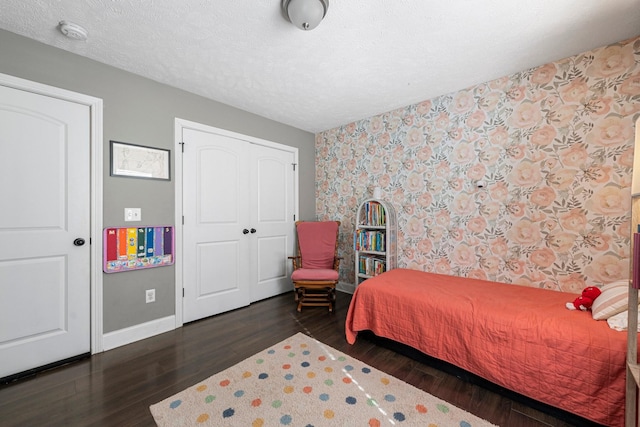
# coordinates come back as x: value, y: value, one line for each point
x: 299, y: 298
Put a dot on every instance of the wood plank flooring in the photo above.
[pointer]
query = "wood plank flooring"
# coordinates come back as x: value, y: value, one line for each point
x: 116, y: 388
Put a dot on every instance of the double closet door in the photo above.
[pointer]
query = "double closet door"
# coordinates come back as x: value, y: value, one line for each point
x: 238, y: 207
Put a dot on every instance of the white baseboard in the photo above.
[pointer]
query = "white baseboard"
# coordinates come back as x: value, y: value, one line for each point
x: 348, y: 288
x: 138, y: 332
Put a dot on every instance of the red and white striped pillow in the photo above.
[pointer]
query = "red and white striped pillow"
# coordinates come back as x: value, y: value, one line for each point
x: 614, y: 299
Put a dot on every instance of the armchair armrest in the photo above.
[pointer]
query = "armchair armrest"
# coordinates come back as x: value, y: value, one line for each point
x: 336, y: 263
x: 295, y: 261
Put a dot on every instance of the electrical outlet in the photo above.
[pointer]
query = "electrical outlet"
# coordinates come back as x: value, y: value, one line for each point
x: 150, y: 295
x: 132, y: 214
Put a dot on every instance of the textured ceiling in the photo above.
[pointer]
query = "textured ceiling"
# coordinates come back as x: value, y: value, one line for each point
x: 365, y: 58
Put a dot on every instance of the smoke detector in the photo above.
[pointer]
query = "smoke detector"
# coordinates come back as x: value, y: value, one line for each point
x: 73, y: 31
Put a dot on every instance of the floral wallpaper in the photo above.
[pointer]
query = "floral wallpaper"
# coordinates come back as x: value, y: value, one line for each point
x: 554, y: 145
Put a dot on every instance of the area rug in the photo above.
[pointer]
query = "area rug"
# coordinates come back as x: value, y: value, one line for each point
x: 303, y: 382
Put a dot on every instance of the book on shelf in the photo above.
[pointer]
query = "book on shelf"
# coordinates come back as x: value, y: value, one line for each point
x: 375, y: 214
x: 369, y: 240
x: 371, y: 266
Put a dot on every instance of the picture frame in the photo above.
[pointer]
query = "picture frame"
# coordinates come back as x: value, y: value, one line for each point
x: 139, y: 161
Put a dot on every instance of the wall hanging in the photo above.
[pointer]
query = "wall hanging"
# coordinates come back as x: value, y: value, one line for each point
x: 138, y: 161
x: 135, y: 248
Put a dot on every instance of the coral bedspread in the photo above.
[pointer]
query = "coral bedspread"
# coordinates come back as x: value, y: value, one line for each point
x: 521, y: 338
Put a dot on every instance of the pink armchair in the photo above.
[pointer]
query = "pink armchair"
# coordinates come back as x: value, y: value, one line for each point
x: 315, y: 268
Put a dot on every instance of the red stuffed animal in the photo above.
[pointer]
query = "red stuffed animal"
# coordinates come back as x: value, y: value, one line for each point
x: 585, y: 301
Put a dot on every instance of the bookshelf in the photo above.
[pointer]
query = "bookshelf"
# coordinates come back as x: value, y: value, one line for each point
x: 633, y: 367
x: 374, y: 240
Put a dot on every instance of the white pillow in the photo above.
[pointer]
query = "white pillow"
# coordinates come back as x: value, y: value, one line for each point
x: 620, y: 321
x: 613, y: 300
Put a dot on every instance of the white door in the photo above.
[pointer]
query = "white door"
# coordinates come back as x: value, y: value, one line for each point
x: 238, y: 207
x: 45, y: 194
x: 272, y: 218
x: 216, y: 215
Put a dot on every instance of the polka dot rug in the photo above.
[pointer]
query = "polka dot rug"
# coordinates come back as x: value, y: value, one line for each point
x: 303, y: 382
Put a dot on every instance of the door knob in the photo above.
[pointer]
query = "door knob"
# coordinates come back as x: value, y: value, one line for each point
x: 78, y: 242
x: 253, y: 230
x: 245, y: 231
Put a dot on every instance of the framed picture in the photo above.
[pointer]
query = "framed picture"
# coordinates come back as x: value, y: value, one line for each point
x: 138, y: 161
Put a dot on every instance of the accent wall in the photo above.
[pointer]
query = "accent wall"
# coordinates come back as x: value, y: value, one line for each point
x: 554, y: 147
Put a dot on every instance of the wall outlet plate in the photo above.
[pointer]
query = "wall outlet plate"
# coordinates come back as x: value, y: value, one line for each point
x: 132, y: 214
x: 150, y: 295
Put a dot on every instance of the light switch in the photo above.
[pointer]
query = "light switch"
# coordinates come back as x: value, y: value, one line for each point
x: 132, y: 214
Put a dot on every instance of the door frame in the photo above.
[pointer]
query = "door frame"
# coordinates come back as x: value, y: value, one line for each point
x: 96, y: 168
x: 181, y: 124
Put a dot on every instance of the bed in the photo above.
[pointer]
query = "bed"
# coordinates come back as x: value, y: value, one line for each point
x: 521, y: 338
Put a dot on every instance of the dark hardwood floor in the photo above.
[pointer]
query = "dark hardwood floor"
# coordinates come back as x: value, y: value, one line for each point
x: 115, y: 388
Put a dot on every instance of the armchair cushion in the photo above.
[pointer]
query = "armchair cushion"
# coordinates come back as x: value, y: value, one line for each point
x: 314, y: 274
x: 317, y: 241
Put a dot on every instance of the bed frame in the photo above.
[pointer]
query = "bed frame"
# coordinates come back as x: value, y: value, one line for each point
x: 518, y: 338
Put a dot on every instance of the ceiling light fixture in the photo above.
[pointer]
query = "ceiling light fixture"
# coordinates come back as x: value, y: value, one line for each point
x: 73, y: 31
x: 305, y: 14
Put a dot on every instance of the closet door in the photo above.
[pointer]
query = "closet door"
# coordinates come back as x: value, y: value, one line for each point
x: 216, y: 209
x: 272, y: 218
x: 238, y: 207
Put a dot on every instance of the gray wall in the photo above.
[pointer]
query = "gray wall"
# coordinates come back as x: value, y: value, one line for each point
x: 142, y: 111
